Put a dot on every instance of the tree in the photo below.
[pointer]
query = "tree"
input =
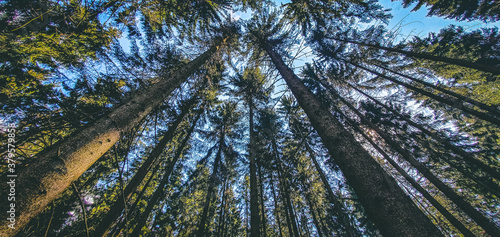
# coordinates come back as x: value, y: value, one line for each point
x: 57, y: 167
x: 161, y: 139
x: 250, y: 87
x: 460, y: 10
x: 118, y: 207
x: 224, y: 122
x: 356, y: 164
x: 159, y: 190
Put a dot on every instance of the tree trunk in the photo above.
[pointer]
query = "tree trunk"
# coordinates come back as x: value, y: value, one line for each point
x: 159, y: 190
x: 222, y: 213
x: 459, y: 62
x: 345, y: 221
x: 489, y: 108
x: 454, y: 221
x: 312, y: 208
x: 254, y: 195
x: 276, y: 211
x: 285, y: 192
x: 132, y: 209
x: 449, y: 101
x: 489, y: 226
x: 262, y: 207
x: 211, y: 186
x: 54, y: 169
x: 468, y: 157
x: 136, y: 180
x: 390, y: 208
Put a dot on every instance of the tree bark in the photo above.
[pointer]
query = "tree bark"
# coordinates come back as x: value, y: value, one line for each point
x: 136, y: 180
x: 262, y: 207
x: 254, y: 195
x: 468, y: 157
x: 489, y: 226
x: 54, y: 169
x: 452, y: 219
x: 390, y: 208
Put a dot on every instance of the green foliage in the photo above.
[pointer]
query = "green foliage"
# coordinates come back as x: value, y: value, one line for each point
x: 63, y: 68
x: 460, y: 10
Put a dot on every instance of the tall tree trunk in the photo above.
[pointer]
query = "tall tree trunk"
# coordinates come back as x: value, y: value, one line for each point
x: 276, y: 209
x: 136, y: 180
x: 491, y: 186
x: 285, y: 207
x: 390, y: 208
x: 285, y: 192
x: 454, y: 221
x: 489, y: 226
x: 459, y: 62
x: 455, y: 103
x: 345, y: 221
x: 132, y: 209
x: 211, y: 186
x: 254, y: 195
x: 159, y: 190
x: 55, y: 168
x: 312, y: 208
x: 262, y: 207
x: 220, y: 224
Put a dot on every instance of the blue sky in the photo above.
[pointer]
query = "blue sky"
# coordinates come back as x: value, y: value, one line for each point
x: 412, y: 23
x: 418, y: 24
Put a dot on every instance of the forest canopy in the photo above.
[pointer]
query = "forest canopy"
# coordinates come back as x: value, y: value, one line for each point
x: 306, y: 118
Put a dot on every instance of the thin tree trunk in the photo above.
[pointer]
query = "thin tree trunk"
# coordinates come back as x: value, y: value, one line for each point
x: 454, y: 221
x: 449, y: 101
x: 345, y: 221
x: 312, y: 209
x: 286, y: 199
x: 254, y: 195
x: 489, y: 226
x: 136, y: 180
x: 285, y: 207
x: 263, y: 216
x: 225, y: 209
x: 219, y: 231
x: 132, y: 209
x: 84, y: 211
x: 391, y: 209
x: 445, y: 143
x: 159, y: 190
x: 295, y: 214
x: 54, y: 169
x: 489, y: 108
x: 121, y: 196
x: 276, y: 211
x: 211, y: 186
x: 459, y: 62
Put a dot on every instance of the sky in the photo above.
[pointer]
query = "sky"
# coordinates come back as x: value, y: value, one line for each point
x: 411, y: 24
x: 418, y: 24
